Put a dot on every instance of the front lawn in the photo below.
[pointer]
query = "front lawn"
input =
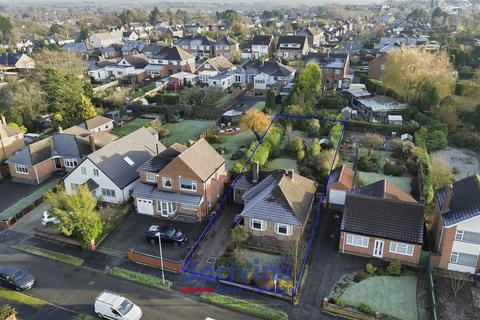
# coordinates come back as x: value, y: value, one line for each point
x: 141, y: 278
x: 21, y: 298
x: 393, y: 296
x: 131, y: 126
x: 254, y: 309
x: 281, y: 163
x: 231, y: 144
x: 62, y: 257
x: 184, y: 131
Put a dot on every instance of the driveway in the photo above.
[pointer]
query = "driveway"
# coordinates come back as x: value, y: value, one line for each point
x: 31, y: 220
x: 11, y: 192
x: 131, y: 232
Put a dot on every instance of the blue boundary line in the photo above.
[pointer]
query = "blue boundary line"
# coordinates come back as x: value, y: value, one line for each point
x: 230, y: 191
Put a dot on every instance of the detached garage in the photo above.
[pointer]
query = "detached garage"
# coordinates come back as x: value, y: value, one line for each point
x: 341, y: 181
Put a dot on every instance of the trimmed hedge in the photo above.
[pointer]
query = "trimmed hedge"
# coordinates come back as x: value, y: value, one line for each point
x: 426, y: 173
x: 380, y: 126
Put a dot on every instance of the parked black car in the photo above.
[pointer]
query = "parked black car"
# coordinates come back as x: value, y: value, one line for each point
x: 15, y: 278
x: 168, y: 234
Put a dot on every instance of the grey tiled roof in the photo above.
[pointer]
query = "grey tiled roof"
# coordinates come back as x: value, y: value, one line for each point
x: 272, y: 68
x: 465, y: 202
x: 66, y: 145
x: 383, y: 218
x: 300, y: 40
x: 161, y: 160
x: 148, y: 191
x: 261, y: 40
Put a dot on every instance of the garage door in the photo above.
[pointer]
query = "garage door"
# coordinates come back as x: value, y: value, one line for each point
x: 337, y: 197
x: 145, y: 206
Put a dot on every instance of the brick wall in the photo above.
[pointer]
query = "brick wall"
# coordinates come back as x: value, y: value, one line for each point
x: 10, y: 145
x: 36, y: 174
x: 270, y: 231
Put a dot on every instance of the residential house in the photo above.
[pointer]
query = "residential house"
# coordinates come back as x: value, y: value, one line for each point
x: 129, y: 36
x: 314, y: 36
x: 265, y: 74
x: 199, y: 46
x: 173, y: 31
x: 277, y: 207
x: 226, y: 47
x: 213, y: 67
x: 11, y: 140
x: 335, y: 67
x: 16, y: 61
x: 111, y: 52
x: 181, y: 183
x: 292, y: 47
x: 180, y: 79
x: 150, y: 49
x: 132, y: 47
x: 340, y: 183
x: 78, y: 47
x: 170, y: 60
x: 97, y: 124
x: 379, y: 220
x: 111, y: 172
x: 104, y: 39
x: 128, y: 66
x: 262, y: 46
x: 456, y: 226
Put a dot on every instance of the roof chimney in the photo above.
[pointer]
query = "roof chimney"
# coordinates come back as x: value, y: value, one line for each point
x: 291, y: 174
x: 255, y: 171
x: 91, y: 140
x: 60, y: 129
x: 448, y: 198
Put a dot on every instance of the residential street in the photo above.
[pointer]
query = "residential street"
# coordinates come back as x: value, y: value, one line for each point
x: 75, y: 289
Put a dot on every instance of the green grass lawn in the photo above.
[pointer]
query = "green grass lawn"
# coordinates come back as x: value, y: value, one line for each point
x: 141, y: 278
x: 281, y: 163
x: 223, y: 100
x: 142, y: 89
x: 130, y: 126
x: 184, y: 131
x: 62, y: 257
x: 21, y: 298
x: 260, y: 105
x: 232, y: 142
x: 393, y: 296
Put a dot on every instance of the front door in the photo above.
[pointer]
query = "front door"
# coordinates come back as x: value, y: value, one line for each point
x: 58, y: 163
x: 378, y: 249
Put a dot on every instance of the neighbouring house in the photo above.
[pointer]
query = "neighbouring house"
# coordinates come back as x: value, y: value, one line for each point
x: 181, y: 79
x: 132, y: 47
x: 292, y: 47
x: 335, y: 67
x: 265, y: 75
x: 378, y: 108
x: 104, y: 39
x: 379, y: 220
x: 172, y: 31
x: 79, y: 47
x: 150, y: 49
x: 111, y: 52
x: 212, y: 67
x: 126, y: 67
x: 181, y: 183
x: 11, y: 140
x: 111, y: 172
x: 341, y: 182
x: 226, y: 47
x: 129, y: 36
x: 456, y: 226
x: 314, y: 36
x: 170, y: 60
x: 16, y: 61
x: 97, y: 124
x: 262, y: 46
x: 199, y: 46
x: 277, y: 207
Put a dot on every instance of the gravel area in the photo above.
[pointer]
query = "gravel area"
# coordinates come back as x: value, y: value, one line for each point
x: 455, y: 308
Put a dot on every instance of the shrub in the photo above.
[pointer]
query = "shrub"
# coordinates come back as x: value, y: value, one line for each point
x: 370, y: 268
x: 301, y: 155
x: 163, y: 133
x: 365, y: 308
x: 394, y: 268
x: 6, y: 311
x: 214, y: 138
x: 392, y: 169
x: 367, y: 164
x: 340, y: 302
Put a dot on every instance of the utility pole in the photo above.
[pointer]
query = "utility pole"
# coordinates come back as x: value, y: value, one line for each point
x: 161, y: 256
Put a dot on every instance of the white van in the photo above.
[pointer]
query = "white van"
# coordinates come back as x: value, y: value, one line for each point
x: 109, y: 305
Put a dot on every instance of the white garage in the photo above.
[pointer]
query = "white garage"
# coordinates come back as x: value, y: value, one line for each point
x: 337, y: 196
x: 145, y: 206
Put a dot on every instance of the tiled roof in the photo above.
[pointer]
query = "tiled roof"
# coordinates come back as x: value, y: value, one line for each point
x: 226, y: 41
x: 299, y: 40
x: 465, y: 201
x: 161, y: 160
x: 219, y: 63
x: 273, y: 68
x: 383, y: 189
x: 342, y: 177
x: 202, y: 159
x: 383, y: 218
x: 172, y: 53
x: 263, y: 40
x: 97, y: 122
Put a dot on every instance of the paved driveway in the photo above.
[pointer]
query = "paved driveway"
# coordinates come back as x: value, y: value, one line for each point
x: 11, y: 192
x: 31, y: 220
x: 132, y: 231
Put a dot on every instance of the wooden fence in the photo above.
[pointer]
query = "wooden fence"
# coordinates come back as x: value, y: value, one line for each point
x: 154, y: 261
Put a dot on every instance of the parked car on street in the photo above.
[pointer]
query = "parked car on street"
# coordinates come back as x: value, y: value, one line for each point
x: 16, y: 278
x: 48, y: 219
x: 167, y: 234
x: 109, y: 305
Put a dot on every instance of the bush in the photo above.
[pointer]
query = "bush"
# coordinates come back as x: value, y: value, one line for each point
x: 367, y: 164
x: 340, y: 302
x: 301, y: 155
x: 6, y: 311
x: 394, y: 268
x: 370, y: 269
x: 163, y: 133
x: 391, y: 169
x: 365, y: 308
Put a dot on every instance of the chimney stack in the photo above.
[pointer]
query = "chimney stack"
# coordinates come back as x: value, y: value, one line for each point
x: 255, y: 171
x: 91, y: 140
x: 448, y: 198
x: 291, y: 174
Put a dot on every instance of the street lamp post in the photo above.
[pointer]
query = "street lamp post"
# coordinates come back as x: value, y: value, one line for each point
x: 161, y: 255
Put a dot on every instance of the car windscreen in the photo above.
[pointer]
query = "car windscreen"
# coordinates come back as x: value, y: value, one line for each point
x: 18, y: 274
x: 125, y: 307
x: 170, y: 232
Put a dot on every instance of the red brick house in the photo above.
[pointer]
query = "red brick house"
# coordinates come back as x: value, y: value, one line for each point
x: 168, y: 61
x: 182, y: 183
x: 340, y: 182
x: 381, y: 221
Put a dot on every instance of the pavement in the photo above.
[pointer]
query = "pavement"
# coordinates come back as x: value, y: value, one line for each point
x: 74, y: 289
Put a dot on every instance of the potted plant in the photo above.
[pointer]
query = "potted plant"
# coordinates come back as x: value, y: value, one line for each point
x: 7, y: 312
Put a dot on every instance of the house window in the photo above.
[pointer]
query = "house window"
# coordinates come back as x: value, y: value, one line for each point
x: 468, y: 236
x: 83, y: 170
x: 189, y: 207
x: 357, y: 241
x: 74, y: 186
x: 151, y: 177
x: 284, y: 229
x: 401, y: 248
x: 166, y: 208
x: 464, y: 259
x: 95, y: 172
x: 21, y: 168
x: 188, y: 185
x: 70, y: 163
x: 167, y: 182
x: 257, y: 224
x: 108, y: 193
